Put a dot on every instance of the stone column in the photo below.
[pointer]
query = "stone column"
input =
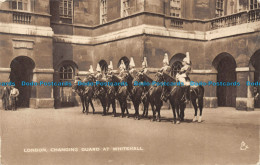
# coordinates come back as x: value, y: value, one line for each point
x: 42, y: 96
x: 245, y: 93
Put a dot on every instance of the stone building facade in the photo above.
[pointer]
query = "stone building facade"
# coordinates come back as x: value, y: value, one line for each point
x: 52, y: 40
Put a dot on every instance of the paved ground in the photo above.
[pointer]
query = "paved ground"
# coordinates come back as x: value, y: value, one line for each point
x: 217, y: 140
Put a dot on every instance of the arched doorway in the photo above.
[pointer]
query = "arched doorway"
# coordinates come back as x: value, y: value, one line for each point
x: 225, y: 65
x: 176, y: 63
x: 255, y: 61
x: 126, y: 61
x: 22, y: 70
x: 104, y: 66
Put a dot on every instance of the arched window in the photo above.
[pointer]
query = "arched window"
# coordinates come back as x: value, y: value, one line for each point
x: 66, y: 73
x: 176, y: 67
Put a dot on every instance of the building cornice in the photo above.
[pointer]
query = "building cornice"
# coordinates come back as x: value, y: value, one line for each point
x: 31, y: 30
x: 162, y: 32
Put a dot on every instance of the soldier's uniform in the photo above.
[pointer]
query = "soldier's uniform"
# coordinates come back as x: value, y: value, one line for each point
x: 123, y: 71
x: 133, y: 72
x: 182, y: 76
x: 144, y: 69
x: 167, y: 70
x: 110, y: 70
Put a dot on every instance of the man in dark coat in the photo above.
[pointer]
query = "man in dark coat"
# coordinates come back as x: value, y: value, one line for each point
x: 5, y: 97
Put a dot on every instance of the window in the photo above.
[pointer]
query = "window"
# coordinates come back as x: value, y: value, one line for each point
x: 175, y: 8
x: 103, y: 11
x: 26, y: 5
x: 66, y: 73
x: 66, y: 8
x: 125, y: 8
x: 254, y: 4
x: 219, y: 8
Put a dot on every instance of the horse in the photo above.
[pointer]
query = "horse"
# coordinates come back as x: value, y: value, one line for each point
x: 175, y: 97
x: 196, y: 95
x: 154, y: 94
x: 177, y: 102
x: 111, y: 93
x: 101, y: 94
x: 145, y: 97
x: 136, y: 92
x: 88, y: 93
x: 85, y: 93
x: 121, y: 93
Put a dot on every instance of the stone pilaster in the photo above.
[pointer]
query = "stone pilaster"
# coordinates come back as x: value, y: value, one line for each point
x: 245, y: 98
x: 42, y: 96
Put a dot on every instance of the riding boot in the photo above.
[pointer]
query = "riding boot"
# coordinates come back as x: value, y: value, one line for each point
x: 165, y: 96
x: 187, y: 94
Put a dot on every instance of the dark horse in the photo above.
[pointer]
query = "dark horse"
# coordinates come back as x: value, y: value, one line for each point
x: 101, y: 94
x: 155, y: 98
x: 177, y: 102
x: 136, y: 92
x: 175, y: 97
x: 113, y: 93
x: 145, y: 96
x: 85, y: 93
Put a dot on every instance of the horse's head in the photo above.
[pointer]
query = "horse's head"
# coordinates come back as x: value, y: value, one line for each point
x: 159, y: 77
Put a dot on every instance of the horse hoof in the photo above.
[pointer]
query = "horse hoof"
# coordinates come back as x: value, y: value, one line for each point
x: 200, y: 119
x: 178, y: 122
x: 194, y: 119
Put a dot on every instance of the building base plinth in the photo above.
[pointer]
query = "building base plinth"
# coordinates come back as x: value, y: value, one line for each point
x: 41, y: 103
x: 210, y: 102
x: 246, y: 104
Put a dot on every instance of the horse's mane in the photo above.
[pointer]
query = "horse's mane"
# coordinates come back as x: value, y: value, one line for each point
x: 147, y: 78
x: 168, y: 78
x: 115, y: 78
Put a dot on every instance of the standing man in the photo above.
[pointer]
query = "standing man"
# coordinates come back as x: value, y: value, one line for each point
x: 5, y: 97
x: 14, y: 93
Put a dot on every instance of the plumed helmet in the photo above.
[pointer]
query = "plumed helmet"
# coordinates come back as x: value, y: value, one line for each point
x: 98, y: 68
x: 132, y: 63
x: 166, y: 59
x: 110, y: 66
x: 91, y: 70
x: 144, y: 63
x: 122, y: 65
x: 187, y: 58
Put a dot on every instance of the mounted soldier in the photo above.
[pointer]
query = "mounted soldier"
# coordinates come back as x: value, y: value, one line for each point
x: 132, y: 70
x: 144, y: 69
x: 167, y: 70
x: 123, y: 71
x: 110, y: 69
x: 182, y: 76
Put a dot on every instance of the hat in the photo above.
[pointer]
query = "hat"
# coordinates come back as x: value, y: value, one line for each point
x: 187, y: 58
x: 91, y: 70
x: 144, y: 63
x: 122, y: 65
x: 132, y: 63
x: 110, y: 66
x: 98, y: 68
x: 166, y: 59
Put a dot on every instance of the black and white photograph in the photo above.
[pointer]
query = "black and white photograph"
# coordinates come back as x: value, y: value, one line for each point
x: 129, y: 82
